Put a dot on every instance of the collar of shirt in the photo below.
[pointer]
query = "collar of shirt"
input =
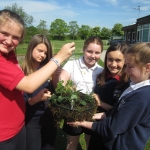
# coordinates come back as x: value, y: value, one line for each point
x: 11, y: 56
x: 134, y: 86
x: 116, y: 77
x: 138, y: 85
x: 82, y: 64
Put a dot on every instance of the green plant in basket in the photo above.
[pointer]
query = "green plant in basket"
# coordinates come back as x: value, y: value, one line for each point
x: 70, y: 104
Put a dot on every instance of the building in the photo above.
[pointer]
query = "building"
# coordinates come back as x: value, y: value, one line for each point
x: 138, y: 32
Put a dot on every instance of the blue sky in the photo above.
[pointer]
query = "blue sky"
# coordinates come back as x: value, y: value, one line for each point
x: 102, y: 13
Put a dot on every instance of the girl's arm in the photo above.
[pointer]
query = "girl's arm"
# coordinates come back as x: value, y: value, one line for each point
x: 30, y: 83
x: 87, y: 124
x: 41, y: 96
x: 101, y: 103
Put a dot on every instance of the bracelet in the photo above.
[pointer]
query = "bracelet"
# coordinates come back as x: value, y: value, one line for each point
x: 56, y: 61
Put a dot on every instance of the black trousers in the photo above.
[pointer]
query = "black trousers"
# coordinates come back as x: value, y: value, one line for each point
x: 40, y: 136
x: 18, y: 142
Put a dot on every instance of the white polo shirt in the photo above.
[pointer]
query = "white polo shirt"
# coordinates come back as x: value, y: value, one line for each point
x: 83, y: 77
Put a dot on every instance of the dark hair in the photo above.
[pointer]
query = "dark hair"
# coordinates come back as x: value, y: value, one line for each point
x: 103, y: 76
x: 93, y: 39
x: 7, y: 15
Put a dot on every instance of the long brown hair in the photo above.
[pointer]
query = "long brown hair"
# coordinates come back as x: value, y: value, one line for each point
x: 28, y: 65
x: 123, y: 76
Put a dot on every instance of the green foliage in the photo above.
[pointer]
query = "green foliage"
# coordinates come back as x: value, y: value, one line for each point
x: 58, y: 29
x: 19, y: 10
x: 117, y: 30
x: 42, y: 29
x: 95, y: 31
x: 70, y: 104
x: 73, y: 29
x: 84, y: 31
x: 105, y: 33
x: 67, y: 94
x: 30, y: 32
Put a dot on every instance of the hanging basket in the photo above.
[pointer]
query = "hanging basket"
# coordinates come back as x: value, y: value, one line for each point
x: 78, y: 113
x: 71, y: 105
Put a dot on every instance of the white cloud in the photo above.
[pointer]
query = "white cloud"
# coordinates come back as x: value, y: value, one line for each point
x: 88, y: 3
x: 112, y: 2
x: 145, y: 8
x: 141, y: 1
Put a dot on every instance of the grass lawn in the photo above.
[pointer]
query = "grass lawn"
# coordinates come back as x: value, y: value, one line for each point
x: 21, y: 49
x: 61, y: 136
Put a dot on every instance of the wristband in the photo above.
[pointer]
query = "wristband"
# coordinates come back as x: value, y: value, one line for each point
x: 56, y: 61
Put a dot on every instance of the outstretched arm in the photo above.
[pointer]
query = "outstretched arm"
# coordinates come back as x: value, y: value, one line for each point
x: 30, y: 83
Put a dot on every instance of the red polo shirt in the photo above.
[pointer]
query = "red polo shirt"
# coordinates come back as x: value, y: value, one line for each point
x: 12, y: 107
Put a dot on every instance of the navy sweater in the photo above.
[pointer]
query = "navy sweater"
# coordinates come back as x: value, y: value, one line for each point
x: 109, y: 93
x: 127, y: 126
x: 37, y: 110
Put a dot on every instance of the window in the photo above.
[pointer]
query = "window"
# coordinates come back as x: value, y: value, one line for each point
x: 128, y: 36
x: 145, y: 35
x: 133, y: 35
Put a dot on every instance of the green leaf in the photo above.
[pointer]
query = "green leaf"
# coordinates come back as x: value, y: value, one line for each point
x: 73, y: 96
x: 83, y: 103
x: 60, y: 98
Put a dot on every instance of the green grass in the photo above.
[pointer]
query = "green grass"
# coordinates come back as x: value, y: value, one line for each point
x: 61, y: 136
x: 21, y: 49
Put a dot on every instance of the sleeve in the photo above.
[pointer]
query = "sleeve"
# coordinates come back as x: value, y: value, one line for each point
x: 26, y: 97
x: 68, y: 67
x: 126, y: 117
x: 10, y: 75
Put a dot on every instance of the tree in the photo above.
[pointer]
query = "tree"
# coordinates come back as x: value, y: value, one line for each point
x: 19, y: 10
x: 30, y: 31
x: 95, y: 31
x: 105, y: 33
x: 117, y: 30
x: 73, y: 29
x: 42, y: 27
x: 84, y: 31
x: 58, y: 29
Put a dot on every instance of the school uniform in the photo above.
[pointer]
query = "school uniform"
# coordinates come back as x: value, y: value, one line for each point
x: 127, y: 126
x: 12, y: 107
x: 110, y: 95
x: 84, y: 79
x: 40, y: 127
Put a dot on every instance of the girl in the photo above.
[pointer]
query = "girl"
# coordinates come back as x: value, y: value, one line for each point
x: 127, y: 126
x: 40, y: 129
x: 13, y: 81
x: 110, y: 84
x: 83, y: 72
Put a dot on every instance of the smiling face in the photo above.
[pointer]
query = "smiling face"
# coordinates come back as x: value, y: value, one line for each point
x: 92, y: 54
x: 136, y: 73
x: 115, y: 62
x: 10, y: 36
x: 39, y: 53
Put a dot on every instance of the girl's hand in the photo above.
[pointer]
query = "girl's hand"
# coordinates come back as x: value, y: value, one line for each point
x: 99, y: 116
x: 46, y: 94
x: 74, y: 124
x: 65, y: 52
x: 43, y: 95
x: 98, y: 100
